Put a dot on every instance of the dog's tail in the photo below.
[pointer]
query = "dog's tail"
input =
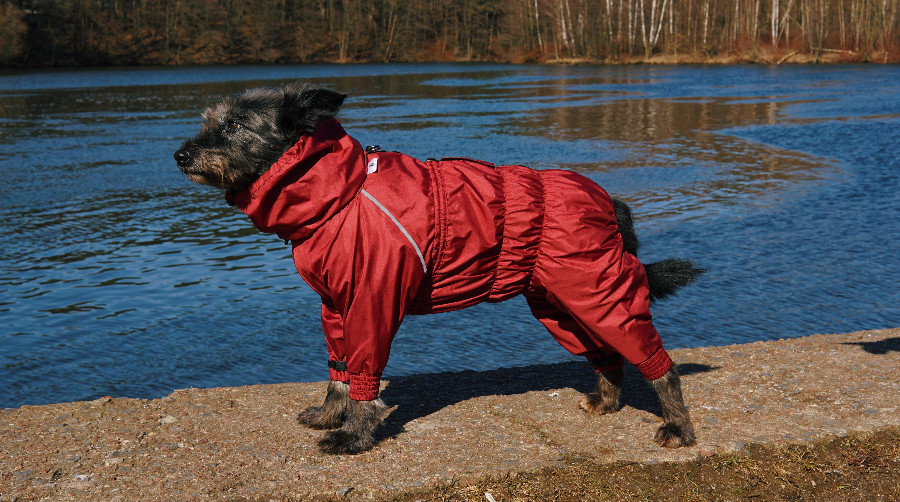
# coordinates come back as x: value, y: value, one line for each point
x: 668, y: 276
x: 665, y: 277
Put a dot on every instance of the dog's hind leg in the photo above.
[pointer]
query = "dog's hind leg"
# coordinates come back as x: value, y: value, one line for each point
x: 357, y: 433
x: 676, y: 429
x: 333, y: 411
x: 605, y: 398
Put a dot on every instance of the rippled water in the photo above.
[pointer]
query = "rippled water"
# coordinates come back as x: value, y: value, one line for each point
x: 118, y: 277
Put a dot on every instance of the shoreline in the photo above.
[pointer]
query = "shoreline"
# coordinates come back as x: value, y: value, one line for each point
x: 735, y: 57
x: 244, y: 442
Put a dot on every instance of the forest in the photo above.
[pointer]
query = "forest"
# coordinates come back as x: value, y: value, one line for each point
x: 35, y: 33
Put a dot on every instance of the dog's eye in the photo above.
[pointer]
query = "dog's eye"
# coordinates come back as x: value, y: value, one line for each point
x: 232, y: 126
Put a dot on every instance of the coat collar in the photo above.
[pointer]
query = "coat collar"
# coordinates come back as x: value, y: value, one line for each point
x: 311, y: 182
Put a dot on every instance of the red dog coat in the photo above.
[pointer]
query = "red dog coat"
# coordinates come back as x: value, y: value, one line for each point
x: 381, y: 235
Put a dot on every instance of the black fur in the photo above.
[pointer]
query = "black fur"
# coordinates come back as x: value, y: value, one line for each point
x: 246, y: 133
x: 664, y: 277
x: 668, y: 276
x: 676, y: 429
x: 333, y: 411
x: 626, y: 227
x: 357, y: 432
x: 605, y: 398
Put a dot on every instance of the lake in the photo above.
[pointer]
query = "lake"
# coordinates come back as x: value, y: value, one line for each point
x: 119, y: 277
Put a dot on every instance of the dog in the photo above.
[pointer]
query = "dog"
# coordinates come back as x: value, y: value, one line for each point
x: 380, y: 235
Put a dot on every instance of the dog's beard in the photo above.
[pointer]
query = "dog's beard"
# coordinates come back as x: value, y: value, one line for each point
x: 211, y: 169
x: 207, y: 175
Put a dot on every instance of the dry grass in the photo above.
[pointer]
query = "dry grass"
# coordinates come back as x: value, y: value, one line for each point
x: 856, y: 467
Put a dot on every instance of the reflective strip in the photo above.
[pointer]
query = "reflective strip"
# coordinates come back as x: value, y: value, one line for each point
x: 408, y: 237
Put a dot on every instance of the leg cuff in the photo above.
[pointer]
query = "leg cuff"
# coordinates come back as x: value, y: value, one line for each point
x: 656, y: 365
x: 338, y: 376
x: 364, y: 387
x: 337, y: 371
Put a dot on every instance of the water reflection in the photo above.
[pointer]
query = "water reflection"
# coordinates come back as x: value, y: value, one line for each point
x: 119, y: 277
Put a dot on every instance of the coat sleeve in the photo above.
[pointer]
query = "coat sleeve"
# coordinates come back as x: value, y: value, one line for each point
x: 312, y: 272
x: 373, y: 272
x: 333, y: 327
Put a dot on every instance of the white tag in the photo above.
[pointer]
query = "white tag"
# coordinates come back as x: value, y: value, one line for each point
x: 373, y: 166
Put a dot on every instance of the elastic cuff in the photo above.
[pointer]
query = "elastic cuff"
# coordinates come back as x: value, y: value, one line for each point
x: 609, y: 363
x: 337, y: 371
x: 656, y: 365
x: 364, y: 387
x: 338, y: 376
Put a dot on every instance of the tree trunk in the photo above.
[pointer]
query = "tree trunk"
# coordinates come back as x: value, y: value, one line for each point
x: 706, y: 23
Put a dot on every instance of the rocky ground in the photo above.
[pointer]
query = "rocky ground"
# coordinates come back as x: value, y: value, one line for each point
x: 811, y: 402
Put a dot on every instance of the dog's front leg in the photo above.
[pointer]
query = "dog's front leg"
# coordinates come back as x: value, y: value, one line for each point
x: 676, y: 429
x: 357, y: 433
x: 333, y: 411
x: 605, y: 398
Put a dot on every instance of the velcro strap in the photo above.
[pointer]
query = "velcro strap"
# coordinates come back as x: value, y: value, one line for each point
x: 337, y: 365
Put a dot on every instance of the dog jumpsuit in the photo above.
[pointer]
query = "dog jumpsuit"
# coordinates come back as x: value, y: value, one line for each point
x: 382, y: 235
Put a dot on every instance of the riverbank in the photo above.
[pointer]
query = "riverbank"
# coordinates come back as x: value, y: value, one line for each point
x: 243, y: 443
x: 760, y: 56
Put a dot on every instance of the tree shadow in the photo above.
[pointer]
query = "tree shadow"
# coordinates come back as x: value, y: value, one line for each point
x: 417, y: 396
x: 879, y: 347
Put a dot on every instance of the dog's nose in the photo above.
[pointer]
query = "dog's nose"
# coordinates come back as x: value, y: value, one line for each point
x: 183, y: 157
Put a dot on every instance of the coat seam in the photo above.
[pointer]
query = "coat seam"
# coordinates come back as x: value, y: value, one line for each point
x: 440, y: 219
x: 539, y: 252
x: 502, y: 234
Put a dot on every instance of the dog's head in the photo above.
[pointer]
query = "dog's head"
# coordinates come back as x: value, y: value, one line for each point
x: 246, y: 133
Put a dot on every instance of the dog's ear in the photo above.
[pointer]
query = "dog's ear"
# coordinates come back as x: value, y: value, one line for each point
x: 305, y: 108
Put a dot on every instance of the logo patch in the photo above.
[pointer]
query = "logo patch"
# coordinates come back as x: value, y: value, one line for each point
x: 373, y: 166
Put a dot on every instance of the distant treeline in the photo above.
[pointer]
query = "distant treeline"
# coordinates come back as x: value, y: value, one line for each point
x: 183, y: 32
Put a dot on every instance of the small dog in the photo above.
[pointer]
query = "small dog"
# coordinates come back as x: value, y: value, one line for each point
x: 380, y: 235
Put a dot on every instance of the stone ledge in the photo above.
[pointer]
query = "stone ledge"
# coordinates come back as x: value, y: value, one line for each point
x: 244, y: 442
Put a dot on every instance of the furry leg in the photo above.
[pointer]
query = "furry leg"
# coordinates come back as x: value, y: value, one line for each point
x: 332, y: 412
x: 605, y: 398
x: 356, y: 435
x: 676, y: 429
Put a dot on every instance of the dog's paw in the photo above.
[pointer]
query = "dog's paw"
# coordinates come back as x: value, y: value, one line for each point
x: 673, y: 436
x: 342, y: 442
x: 598, y: 404
x: 315, y: 417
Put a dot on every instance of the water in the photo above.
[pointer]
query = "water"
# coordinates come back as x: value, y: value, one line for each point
x: 118, y: 277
